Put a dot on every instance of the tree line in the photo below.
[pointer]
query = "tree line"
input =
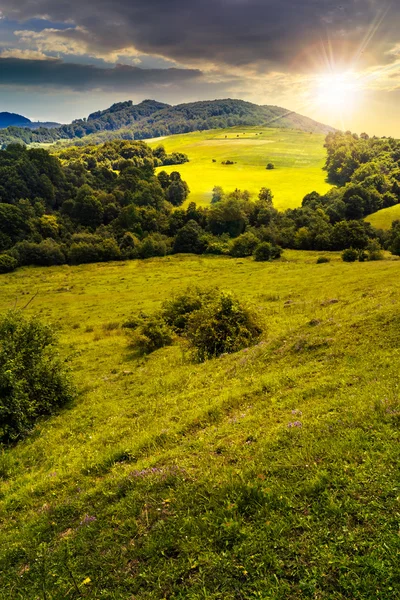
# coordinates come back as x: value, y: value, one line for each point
x: 100, y: 203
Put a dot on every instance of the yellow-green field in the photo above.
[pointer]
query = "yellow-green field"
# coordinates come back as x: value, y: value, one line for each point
x: 298, y: 158
x: 384, y: 218
x: 267, y: 474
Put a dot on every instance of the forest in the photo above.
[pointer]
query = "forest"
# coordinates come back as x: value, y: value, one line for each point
x: 102, y: 203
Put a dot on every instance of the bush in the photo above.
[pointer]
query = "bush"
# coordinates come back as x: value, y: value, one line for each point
x: 7, y: 263
x: 323, y: 259
x: 33, y: 380
x: 152, y: 246
x: 243, y: 245
x: 129, y: 245
x: 349, y: 255
x: 151, y: 334
x: 216, y: 246
x: 222, y: 325
x: 374, y: 250
x: 45, y: 254
x: 176, y: 312
x: 270, y: 166
x: 267, y: 251
x: 87, y: 252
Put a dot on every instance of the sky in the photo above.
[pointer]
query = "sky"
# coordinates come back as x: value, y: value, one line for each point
x: 336, y: 62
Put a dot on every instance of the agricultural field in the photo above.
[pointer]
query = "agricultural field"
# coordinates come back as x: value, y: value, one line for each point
x: 298, y: 158
x: 383, y: 219
x: 270, y: 473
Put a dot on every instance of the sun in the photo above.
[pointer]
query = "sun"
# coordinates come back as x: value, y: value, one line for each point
x: 337, y: 92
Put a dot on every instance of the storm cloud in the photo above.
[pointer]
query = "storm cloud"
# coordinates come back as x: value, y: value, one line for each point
x: 58, y: 74
x: 277, y: 34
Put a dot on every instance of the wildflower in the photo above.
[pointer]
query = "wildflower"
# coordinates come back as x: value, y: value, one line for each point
x: 87, y: 519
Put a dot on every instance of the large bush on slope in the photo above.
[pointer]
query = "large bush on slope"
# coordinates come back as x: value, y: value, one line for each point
x: 33, y: 379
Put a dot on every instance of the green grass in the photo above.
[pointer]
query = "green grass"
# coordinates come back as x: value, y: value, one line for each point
x: 384, y: 218
x: 298, y: 158
x: 169, y: 479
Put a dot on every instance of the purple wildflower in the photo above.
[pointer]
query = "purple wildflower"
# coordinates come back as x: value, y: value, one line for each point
x: 295, y: 424
x: 87, y: 519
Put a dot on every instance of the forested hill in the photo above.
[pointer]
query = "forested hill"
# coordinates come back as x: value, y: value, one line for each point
x: 14, y: 120
x: 8, y: 119
x: 154, y: 119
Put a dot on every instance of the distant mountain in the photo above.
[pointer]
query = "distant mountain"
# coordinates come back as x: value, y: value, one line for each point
x: 12, y: 119
x: 154, y: 119
x: 46, y: 124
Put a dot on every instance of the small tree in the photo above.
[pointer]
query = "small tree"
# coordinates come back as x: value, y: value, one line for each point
x: 33, y: 380
x: 270, y: 166
x: 217, y: 194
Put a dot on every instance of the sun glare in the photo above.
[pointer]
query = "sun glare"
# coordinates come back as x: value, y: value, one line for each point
x: 337, y: 93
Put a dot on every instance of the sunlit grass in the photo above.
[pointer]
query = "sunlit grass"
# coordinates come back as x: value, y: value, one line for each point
x: 169, y: 479
x: 298, y: 158
x: 384, y: 218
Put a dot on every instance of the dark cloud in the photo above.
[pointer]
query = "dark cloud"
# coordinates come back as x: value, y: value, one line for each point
x: 273, y: 33
x: 56, y: 73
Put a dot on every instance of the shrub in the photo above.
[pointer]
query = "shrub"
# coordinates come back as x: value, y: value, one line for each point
x: 45, y: 254
x: 129, y: 245
x: 243, y: 245
x: 86, y: 252
x: 33, y: 380
x: 7, y: 263
x: 374, y: 250
x: 152, y: 246
x: 349, y: 255
x: 270, y: 166
x: 267, y: 251
x: 322, y: 259
x: 151, y: 334
x: 222, y: 325
x: 176, y: 312
x: 216, y: 246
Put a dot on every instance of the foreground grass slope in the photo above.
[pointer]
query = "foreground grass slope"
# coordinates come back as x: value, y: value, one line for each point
x: 298, y: 158
x: 271, y: 473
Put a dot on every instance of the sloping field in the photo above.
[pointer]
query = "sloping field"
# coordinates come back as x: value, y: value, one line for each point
x: 384, y: 218
x: 298, y: 158
x: 271, y: 473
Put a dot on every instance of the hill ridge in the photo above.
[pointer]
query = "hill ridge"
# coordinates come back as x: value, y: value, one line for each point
x: 150, y: 119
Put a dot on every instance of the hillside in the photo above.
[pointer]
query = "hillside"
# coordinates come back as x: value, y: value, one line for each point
x: 383, y: 219
x: 11, y: 119
x: 270, y: 473
x: 298, y: 158
x: 154, y: 119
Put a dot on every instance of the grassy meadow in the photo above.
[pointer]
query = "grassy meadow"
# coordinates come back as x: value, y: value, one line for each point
x: 384, y: 218
x: 298, y: 158
x: 271, y: 473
